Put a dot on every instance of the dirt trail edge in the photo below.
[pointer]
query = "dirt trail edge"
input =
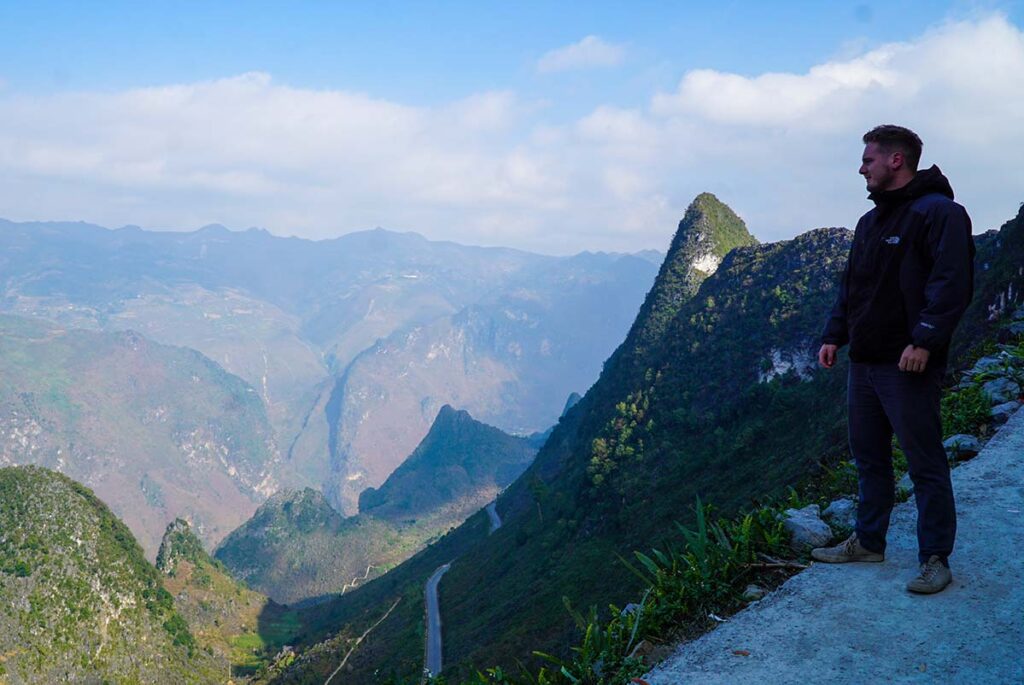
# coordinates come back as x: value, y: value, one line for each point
x: 855, y: 623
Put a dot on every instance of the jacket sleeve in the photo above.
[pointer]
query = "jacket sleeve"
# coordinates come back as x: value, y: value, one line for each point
x: 836, y: 331
x: 950, y: 285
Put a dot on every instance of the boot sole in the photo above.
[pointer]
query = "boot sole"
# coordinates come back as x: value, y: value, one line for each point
x: 929, y: 590
x: 841, y: 560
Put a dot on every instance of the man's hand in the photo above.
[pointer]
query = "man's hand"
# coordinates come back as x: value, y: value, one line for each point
x: 827, y: 355
x: 914, y: 359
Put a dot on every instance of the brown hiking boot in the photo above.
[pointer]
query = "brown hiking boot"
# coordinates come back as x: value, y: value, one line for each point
x: 934, y: 577
x: 846, y: 551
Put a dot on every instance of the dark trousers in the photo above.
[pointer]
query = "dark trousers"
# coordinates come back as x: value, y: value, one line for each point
x: 883, y: 400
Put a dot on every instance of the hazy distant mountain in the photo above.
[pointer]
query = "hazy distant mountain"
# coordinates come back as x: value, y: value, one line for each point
x: 296, y: 547
x: 78, y: 601
x: 510, y: 360
x: 157, y: 431
x: 352, y: 344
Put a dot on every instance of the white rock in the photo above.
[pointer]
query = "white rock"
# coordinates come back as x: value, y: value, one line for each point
x: 962, y: 446
x: 753, y: 593
x: 842, y: 512
x: 806, y: 529
x: 1001, y: 413
x: 1000, y: 390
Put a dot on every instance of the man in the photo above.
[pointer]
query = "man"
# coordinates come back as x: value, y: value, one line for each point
x: 908, y: 280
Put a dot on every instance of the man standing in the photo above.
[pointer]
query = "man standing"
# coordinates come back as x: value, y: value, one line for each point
x: 908, y: 280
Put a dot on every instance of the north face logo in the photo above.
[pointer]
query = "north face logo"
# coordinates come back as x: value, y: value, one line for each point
x: 893, y: 240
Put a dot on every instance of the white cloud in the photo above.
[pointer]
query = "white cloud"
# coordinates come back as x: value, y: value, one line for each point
x: 782, y: 149
x: 588, y: 53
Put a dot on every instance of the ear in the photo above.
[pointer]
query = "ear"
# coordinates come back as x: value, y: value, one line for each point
x: 896, y: 160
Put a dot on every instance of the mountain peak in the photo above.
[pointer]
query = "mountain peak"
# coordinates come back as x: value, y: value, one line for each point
x: 707, y: 232
x: 450, y: 416
x: 458, y: 455
x: 179, y: 542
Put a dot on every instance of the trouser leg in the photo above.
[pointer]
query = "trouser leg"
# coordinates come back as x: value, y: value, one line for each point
x: 871, y: 446
x: 911, y: 402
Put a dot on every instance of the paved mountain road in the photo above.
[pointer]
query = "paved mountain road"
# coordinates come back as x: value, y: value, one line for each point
x: 433, y: 659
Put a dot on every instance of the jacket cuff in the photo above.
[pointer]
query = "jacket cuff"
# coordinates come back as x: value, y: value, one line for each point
x: 925, y: 335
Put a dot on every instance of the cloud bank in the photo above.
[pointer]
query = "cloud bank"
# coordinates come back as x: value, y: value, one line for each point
x: 781, y: 148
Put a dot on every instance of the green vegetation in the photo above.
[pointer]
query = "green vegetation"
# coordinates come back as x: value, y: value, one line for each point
x: 228, y: 619
x: 296, y: 547
x: 80, y: 600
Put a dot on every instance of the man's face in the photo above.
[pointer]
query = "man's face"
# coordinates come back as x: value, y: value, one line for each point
x: 877, y: 167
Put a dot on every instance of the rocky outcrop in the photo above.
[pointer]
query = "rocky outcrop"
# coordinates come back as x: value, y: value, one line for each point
x: 806, y: 529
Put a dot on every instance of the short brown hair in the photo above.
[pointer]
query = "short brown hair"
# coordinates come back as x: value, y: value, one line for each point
x: 892, y: 138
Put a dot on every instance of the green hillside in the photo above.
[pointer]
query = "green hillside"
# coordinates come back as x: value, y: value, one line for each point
x: 239, y: 625
x: 297, y: 548
x: 78, y: 601
x: 460, y: 466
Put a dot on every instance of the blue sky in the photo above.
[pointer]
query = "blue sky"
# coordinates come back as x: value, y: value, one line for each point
x: 425, y: 52
x: 550, y: 126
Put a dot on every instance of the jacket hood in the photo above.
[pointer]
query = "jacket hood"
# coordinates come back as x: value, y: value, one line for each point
x: 925, y: 182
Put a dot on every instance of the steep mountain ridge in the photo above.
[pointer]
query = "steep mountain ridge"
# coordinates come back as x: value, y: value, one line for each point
x: 460, y: 466
x: 228, y: 619
x: 508, y: 359
x: 78, y: 602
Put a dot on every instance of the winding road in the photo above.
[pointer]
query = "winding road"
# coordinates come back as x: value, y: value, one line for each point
x: 433, y: 662
x: 492, y: 511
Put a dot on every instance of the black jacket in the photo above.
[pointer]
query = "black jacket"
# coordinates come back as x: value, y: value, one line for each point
x: 910, y: 274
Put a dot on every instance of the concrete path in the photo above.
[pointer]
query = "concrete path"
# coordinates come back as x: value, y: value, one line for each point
x: 433, y: 659
x: 855, y: 623
x: 492, y: 512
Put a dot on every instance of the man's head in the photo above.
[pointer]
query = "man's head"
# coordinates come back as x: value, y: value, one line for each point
x: 891, y: 155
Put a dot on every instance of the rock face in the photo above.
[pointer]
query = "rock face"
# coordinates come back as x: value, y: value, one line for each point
x: 157, y: 431
x: 79, y: 601
x: 806, y: 529
x: 1002, y: 412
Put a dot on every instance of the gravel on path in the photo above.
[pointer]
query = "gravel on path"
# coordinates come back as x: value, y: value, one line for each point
x: 855, y: 623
